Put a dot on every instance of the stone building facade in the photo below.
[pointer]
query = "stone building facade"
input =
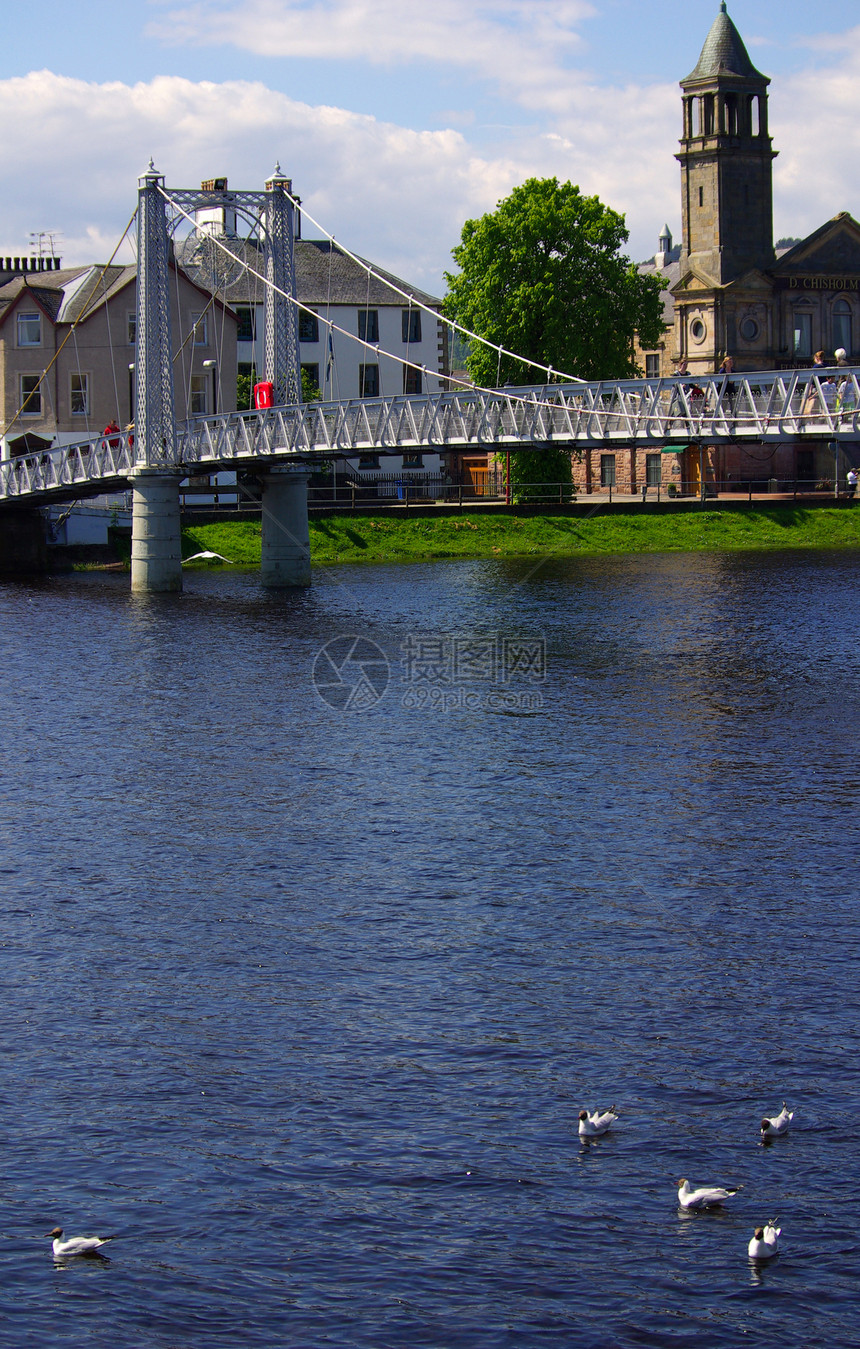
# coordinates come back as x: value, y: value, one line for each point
x: 728, y: 290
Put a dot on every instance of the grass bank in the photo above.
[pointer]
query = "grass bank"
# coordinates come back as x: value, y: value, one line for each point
x: 387, y: 538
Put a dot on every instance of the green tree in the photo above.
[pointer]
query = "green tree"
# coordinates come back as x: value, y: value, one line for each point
x: 543, y: 275
x: 537, y: 475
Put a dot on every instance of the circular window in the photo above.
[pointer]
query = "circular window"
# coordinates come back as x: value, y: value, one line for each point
x: 749, y: 329
x: 698, y: 330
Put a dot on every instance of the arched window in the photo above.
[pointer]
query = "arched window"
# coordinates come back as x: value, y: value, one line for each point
x: 841, y: 330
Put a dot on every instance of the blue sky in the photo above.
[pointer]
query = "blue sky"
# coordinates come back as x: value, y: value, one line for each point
x: 397, y: 123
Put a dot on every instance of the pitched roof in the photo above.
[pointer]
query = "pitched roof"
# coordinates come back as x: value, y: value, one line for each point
x: 324, y: 274
x: 723, y: 53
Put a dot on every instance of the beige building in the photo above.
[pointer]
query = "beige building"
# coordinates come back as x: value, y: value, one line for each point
x: 67, y: 349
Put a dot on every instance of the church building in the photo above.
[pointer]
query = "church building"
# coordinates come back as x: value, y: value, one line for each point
x: 729, y: 291
x: 733, y: 296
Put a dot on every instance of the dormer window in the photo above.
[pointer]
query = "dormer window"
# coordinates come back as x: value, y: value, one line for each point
x: 29, y: 330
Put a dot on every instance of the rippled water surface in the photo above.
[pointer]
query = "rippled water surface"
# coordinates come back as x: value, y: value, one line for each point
x: 303, y: 1003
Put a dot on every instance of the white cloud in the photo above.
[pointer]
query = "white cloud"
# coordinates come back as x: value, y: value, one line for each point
x: 396, y: 195
x: 520, y: 45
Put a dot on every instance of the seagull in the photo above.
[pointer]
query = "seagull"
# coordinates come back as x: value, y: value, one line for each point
x: 591, y: 1126
x: 779, y: 1124
x: 208, y: 557
x: 707, y: 1196
x: 765, y: 1242
x: 76, y: 1245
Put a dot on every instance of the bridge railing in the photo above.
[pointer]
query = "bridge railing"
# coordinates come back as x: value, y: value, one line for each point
x: 96, y: 459
x: 767, y: 406
x: 762, y: 406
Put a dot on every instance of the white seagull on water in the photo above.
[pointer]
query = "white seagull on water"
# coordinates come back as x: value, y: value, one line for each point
x: 707, y: 1196
x: 591, y: 1126
x: 765, y: 1241
x: 76, y: 1245
x: 779, y: 1124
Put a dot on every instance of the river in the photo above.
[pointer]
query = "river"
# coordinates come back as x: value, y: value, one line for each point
x: 325, y: 913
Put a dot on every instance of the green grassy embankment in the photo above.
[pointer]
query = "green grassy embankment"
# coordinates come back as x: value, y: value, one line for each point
x: 387, y: 538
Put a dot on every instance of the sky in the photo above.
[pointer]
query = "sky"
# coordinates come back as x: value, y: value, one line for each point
x: 399, y: 121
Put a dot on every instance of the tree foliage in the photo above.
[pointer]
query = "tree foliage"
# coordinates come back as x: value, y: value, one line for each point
x: 538, y: 474
x: 543, y: 275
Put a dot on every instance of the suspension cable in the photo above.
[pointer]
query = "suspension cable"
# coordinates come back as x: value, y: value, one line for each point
x: 466, y: 384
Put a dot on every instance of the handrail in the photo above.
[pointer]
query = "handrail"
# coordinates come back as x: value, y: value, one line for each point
x: 766, y: 407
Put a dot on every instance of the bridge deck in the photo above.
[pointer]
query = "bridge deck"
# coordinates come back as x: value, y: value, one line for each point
x: 767, y: 407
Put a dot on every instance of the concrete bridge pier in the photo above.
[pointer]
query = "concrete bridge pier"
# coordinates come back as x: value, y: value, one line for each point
x: 156, y: 551
x: 286, y: 559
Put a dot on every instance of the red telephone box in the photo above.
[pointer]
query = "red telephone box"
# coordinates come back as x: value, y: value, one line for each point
x: 264, y: 395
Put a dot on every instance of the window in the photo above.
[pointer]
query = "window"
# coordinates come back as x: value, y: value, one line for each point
x: 802, y: 334
x: 749, y: 329
x: 245, y: 328
x: 198, y: 395
x: 368, y: 381
x: 411, y: 324
x: 698, y: 330
x: 368, y: 461
x: 652, y: 365
x: 842, y: 335
x: 80, y: 395
x: 607, y: 470
x: 413, y: 461
x: 411, y: 380
x: 701, y: 196
x: 131, y: 327
x: 29, y: 330
x: 368, y: 325
x: 31, y: 395
x: 309, y: 328
x: 653, y: 470
x: 201, y: 334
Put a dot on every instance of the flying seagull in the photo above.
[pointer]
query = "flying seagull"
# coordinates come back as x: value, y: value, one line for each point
x: 208, y: 557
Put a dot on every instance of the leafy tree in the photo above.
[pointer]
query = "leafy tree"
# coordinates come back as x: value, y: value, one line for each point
x: 532, y: 472
x: 543, y: 276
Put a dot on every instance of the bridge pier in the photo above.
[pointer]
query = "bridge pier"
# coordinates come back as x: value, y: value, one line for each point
x: 156, y: 550
x: 286, y: 546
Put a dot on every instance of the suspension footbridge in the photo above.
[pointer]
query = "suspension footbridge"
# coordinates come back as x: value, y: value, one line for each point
x: 282, y: 443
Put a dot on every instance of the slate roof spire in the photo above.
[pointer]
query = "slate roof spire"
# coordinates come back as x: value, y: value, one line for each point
x: 723, y: 53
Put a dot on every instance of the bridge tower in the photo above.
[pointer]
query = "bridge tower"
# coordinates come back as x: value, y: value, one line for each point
x: 156, y: 554
x: 286, y: 554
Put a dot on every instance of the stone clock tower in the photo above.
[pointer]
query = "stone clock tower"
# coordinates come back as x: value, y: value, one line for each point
x: 726, y: 188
